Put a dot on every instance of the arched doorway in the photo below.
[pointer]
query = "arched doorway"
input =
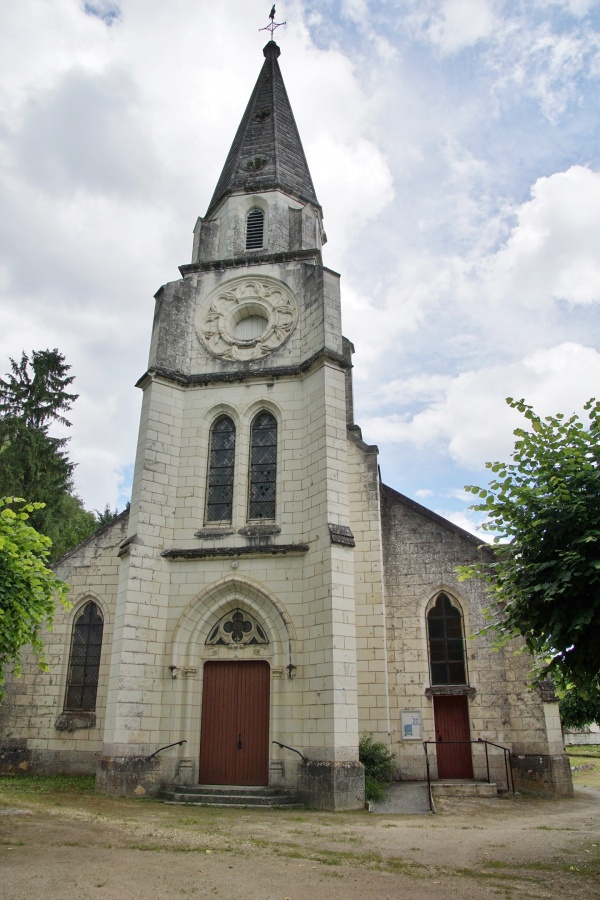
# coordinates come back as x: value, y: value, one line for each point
x: 448, y: 667
x: 234, y: 737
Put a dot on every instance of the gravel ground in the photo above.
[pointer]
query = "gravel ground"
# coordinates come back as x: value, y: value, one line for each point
x: 63, y: 845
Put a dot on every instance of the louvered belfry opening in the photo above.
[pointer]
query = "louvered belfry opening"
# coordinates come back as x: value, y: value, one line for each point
x: 219, y: 503
x: 84, y: 661
x: 255, y: 227
x: 263, y: 467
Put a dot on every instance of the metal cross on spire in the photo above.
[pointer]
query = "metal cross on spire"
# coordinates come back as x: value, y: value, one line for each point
x: 272, y: 24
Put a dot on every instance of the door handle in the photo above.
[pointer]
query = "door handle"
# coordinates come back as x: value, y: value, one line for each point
x: 239, y: 743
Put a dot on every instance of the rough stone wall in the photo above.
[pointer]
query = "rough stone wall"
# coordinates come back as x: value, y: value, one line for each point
x: 34, y: 703
x: 421, y: 552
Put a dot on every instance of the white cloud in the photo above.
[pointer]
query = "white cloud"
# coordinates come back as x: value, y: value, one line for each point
x: 356, y: 10
x: 468, y: 520
x: 474, y: 423
x: 461, y: 23
x: 553, y: 252
x: 111, y: 144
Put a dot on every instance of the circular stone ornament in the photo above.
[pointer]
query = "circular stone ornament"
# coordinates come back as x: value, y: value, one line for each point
x: 247, y: 318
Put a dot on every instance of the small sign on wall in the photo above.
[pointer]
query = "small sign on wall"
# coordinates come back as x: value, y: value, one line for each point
x: 412, y: 725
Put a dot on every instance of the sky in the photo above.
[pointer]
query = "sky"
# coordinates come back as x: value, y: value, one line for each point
x: 454, y: 146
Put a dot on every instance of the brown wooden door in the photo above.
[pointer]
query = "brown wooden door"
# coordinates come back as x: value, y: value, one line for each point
x: 234, y: 740
x: 452, y: 724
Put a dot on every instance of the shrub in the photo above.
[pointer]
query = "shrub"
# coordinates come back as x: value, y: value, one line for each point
x: 378, y: 763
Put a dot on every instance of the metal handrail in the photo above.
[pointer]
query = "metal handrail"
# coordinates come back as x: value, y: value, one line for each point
x: 510, y: 783
x: 166, y: 747
x: 293, y: 749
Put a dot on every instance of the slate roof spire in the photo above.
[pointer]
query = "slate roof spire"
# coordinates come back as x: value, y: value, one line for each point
x: 266, y: 153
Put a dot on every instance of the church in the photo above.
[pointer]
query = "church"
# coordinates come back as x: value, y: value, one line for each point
x: 266, y: 599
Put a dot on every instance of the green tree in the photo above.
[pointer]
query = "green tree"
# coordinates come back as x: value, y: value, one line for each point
x: 576, y: 711
x: 33, y: 464
x: 107, y: 516
x: 68, y: 525
x: 544, y: 576
x: 29, y: 590
x: 34, y: 391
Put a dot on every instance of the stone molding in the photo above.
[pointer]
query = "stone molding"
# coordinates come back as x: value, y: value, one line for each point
x: 217, y: 552
x: 451, y: 690
x: 341, y: 534
x: 237, y: 375
x: 252, y: 259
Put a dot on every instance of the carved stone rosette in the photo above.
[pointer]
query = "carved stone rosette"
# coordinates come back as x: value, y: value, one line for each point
x: 247, y: 318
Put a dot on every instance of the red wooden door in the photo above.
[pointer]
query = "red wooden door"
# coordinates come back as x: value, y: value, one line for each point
x: 234, y: 740
x: 452, y: 724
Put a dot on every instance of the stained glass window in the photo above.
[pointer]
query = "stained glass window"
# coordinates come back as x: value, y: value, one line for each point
x: 84, y: 661
x: 263, y: 467
x: 219, y: 501
x: 446, y: 643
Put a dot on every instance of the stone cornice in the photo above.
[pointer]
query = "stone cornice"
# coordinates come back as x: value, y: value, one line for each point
x: 231, y: 552
x: 251, y: 258
x: 242, y: 374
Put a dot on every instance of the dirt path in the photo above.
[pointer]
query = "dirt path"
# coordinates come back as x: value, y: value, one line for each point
x: 62, y: 846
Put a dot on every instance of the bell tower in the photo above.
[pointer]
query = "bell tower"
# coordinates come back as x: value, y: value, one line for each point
x: 239, y: 550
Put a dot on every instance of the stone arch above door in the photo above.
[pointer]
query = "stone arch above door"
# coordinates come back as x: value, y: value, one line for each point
x: 193, y: 630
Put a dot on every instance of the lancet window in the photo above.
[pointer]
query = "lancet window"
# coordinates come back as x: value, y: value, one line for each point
x: 219, y: 502
x: 84, y: 659
x: 263, y: 467
x: 446, y: 643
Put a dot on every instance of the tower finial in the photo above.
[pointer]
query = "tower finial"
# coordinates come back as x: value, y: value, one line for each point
x: 272, y: 24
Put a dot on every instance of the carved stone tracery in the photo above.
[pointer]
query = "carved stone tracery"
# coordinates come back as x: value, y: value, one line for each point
x: 237, y: 628
x: 248, y: 318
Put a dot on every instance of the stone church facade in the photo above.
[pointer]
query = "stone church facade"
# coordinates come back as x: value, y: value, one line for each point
x: 266, y: 599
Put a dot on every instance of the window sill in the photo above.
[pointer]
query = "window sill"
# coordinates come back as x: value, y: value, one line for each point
x: 75, y: 720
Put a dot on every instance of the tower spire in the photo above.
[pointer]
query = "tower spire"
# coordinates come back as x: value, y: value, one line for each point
x: 267, y: 152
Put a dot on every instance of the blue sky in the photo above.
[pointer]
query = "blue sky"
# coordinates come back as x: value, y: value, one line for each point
x: 454, y: 146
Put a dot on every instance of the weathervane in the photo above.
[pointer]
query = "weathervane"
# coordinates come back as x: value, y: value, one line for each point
x: 273, y: 24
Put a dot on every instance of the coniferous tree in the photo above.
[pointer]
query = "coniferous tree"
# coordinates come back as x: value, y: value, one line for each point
x: 34, y: 464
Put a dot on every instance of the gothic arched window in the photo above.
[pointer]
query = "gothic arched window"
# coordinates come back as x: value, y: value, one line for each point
x: 263, y: 467
x: 221, y: 459
x: 446, y: 643
x: 84, y: 660
x: 255, y: 226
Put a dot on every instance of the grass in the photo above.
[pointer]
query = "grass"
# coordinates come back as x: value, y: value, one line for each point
x: 171, y: 829
x: 590, y: 751
x: 585, y: 755
x: 40, y: 785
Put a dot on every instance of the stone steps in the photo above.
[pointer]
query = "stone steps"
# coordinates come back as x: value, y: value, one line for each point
x: 236, y: 796
x: 463, y: 789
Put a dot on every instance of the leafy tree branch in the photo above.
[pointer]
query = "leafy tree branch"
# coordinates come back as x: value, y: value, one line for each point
x: 544, y: 577
x: 29, y: 590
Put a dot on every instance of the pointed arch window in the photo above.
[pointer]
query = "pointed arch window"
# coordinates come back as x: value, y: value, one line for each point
x: 446, y: 643
x: 221, y: 460
x: 84, y: 659
x: 255, y: 228
x: 263, y: 467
